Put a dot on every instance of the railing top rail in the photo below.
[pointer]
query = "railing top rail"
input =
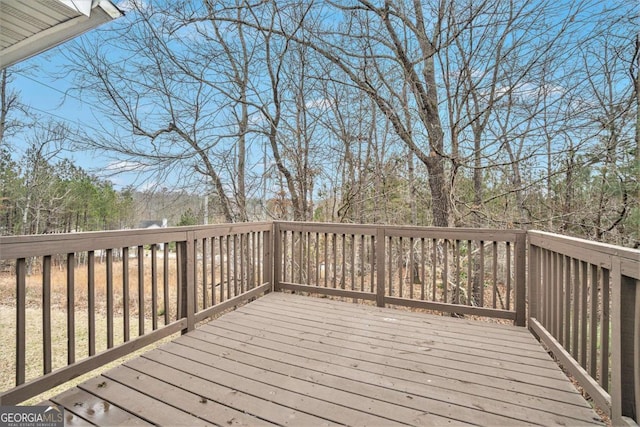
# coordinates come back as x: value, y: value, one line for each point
x: 329, y: 227
x: 403, y: 230
x: 543, y: 236
x: 594, y: 252
x: 452, y: 233
x: 12, y: 247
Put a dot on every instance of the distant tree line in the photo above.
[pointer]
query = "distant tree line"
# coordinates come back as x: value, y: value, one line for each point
x: 40, y: 195
x: 41, y: 191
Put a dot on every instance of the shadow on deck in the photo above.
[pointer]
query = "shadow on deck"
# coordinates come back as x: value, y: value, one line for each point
x: 293, y: 360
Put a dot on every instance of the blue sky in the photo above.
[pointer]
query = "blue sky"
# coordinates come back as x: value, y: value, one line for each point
x: 44, y: 95
x: 44, y: 89
x: 42, y: 86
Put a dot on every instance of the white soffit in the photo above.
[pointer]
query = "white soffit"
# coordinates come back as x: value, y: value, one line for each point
x: 29, y: 27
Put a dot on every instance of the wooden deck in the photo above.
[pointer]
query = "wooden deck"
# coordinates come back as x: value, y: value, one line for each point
x: 294, y: 360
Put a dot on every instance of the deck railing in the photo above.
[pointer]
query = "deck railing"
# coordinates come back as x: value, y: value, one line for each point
x: 148, y: 284
x: 459, y: 271
x: 126, y: 289
x: 584, y: 306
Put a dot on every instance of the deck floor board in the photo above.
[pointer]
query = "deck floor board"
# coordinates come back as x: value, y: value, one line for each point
x: 416, y: 359
x: 500, y: 354
x: 293, y: 360
x: 406, y: 380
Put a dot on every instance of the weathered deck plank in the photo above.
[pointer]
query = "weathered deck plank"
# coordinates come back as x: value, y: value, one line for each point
x: 260, y: 408
x: 278, y: 389
x: 193, y: 403
x: 292, y: 360
x: 402, y: 394
x: 419, y: 357
x: 70, y: 419
x: 143, y: 405
x: 386, y: 330
x: 95, y: 410
x: 388, y: 370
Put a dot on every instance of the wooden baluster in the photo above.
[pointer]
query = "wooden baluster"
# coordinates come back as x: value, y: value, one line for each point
x: 576, y: 309
x: 213, y: 270
x: 140, y: 290
x: 374, y: 264
x: 469, y: 272
x: 481, y: 278
x: 71, y: 309
x: 205, y: 276
x: 400, y: 265
x: 353, y: 262
x: 125, y: 293
x: 222, y: 261
x: 228, y: 278
x: 593, y: 321
x: 236, y: 288
x: 605, y: 331
x: 423, y: 271
x: 243, y: 253
x: 445, y: 270
x: 434, y: 263
x: 456, y: 257
x: 109, y: 286
x: 583, y: 314
x: 165, y: 283
x: 154, y: 287
x: 46, y: 313
x: 508, y: 274
x: 566, y: 320
x: 362, y: 238
x: 21, y: 319
x: 494, y: 274
x: 91, y: 301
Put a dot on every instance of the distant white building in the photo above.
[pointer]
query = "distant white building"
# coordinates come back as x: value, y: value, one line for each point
x: 152, y: 224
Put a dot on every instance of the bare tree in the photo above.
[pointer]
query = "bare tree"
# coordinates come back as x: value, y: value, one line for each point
x: 10, y: 108
x: 487, y: 101
x: 367, y: 47
x: 161, y: 100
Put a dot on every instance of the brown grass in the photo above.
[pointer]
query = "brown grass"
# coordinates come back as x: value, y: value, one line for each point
x: 34, y: 349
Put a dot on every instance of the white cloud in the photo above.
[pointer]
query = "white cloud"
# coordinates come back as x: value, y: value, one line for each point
x: 125, y: 166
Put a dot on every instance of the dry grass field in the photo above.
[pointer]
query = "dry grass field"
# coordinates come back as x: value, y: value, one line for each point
x: 34, y: 334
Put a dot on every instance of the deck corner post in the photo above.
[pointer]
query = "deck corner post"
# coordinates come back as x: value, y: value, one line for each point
x: 277, y: 256
x: 521, y: 278
x: 186, y: 279
x: 268, y: 255
x: 380, y: 267
x: 533, y: 281
x: 625, y: 369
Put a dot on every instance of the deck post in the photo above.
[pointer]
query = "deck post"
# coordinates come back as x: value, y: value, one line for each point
x: 534, y: 281
x: 380, y: 270
x: 277, y: 256
x: 187, y: 280
x: 21, y: 303
x: 268, y: 255
x: 520, y: 252
x: 624, y: 364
